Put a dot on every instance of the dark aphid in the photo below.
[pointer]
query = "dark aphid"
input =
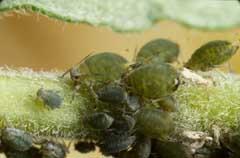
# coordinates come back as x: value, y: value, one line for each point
x: 142, y: 149
x: 231, y: 141
x: 31, y: 153
x: 125, y: 124
x: 16, y: 139
x: 50, y: 98
x: 98, y: 121
x: 211, y: 152
x: 169, y: 149
x: 154, y: 123
x: 153, y: 80
x: 85, y: 147
x: 112, y: 94
x: 158, y: 50
x: 167, y: 103
x: 113, y: 143
x: 102, y: 67
x: 51, y: 149
x: 211, y: 54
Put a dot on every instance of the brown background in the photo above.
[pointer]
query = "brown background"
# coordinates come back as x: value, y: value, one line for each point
x: 41, y: 43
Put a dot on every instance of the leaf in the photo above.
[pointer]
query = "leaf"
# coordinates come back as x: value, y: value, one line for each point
x: 135, y: 15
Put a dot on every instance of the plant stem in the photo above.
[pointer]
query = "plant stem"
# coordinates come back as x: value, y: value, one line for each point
x: 200, y: 105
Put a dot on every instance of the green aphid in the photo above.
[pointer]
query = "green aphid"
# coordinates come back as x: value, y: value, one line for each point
x: 98, y: 121
x: 50, y: 98
x: 153, y: 80
x: 158, y: 50
x: 154, y: 123
x: 211, y: 55
x: 167, y: 149
x: 16, y: 139
x: 103, y: 67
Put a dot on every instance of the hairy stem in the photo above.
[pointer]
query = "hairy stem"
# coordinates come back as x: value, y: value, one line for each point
x: 201, y: 105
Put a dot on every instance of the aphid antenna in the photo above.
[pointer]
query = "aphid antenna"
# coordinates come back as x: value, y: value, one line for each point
x: 66, y: 72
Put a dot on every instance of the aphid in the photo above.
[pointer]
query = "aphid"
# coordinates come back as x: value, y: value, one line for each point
x: 102, y: 67
x: 31, y: 153
x: 167, y: 103
x: 154, y: 123
x: 51, y: 149
x: 50, y: 98
x: 153, y: 80
x: 167, y: 149
x: 112, y: 93
x: 98, y: 121
x: 158, y: 50
x: 85, y: 147
x: 16, y: 139
x: 211, y: 54
x: 125, y: 124
x: 115, y: 143
x: 141, y: 149
x: 231, y: 141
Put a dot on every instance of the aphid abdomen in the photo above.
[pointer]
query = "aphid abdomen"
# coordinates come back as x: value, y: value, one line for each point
x: 211, y: 54
x: 98, y: 121
x: 112, y: 94
x: 159, y: 49
x: 16, y: 139
x: 50, y: 98
x: 167, y: 149
x: 116, y: 143
x: 105, y: 66
x: 154, y: 123
x: 31, y: 153
x: 153, y: 80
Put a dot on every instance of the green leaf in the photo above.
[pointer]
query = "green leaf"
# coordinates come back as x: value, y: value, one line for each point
x: 135, y: 15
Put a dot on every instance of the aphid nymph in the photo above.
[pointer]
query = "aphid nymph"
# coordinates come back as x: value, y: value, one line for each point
x: 50, y: 98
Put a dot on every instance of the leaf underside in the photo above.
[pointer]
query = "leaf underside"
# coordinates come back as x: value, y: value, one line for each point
x: 135, y: 15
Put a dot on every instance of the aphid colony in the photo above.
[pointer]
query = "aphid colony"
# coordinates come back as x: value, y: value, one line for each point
x: 130, y: 105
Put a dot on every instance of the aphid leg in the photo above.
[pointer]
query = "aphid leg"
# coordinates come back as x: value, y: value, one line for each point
x: 75, y: 92
x: 93, y: 92
x: 230, y: 69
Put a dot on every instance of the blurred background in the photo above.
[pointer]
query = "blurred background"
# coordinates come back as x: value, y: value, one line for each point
x: 42, y: 44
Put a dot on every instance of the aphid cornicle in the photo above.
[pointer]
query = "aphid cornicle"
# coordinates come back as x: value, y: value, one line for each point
x: 98, y: 121
x: 113, y: 143
x: 153, y: 80
x: 102, y: 67
x: 211, y: 54
x: 85, y: 147
x: 154, y: 123
x: 50, y: 98
x: 51, y: 149
x: 158, y: 50
x: 16, y: 139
